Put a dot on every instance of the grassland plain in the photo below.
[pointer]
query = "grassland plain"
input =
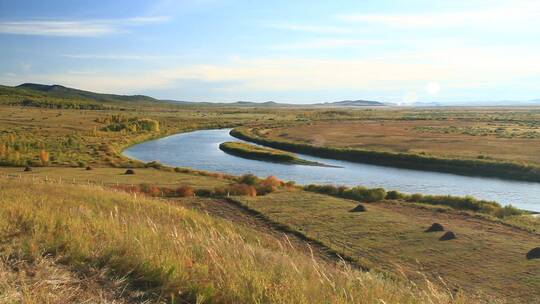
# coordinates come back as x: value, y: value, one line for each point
x: 486, y: 256
x: 166, y: 253
x: 56, y: 226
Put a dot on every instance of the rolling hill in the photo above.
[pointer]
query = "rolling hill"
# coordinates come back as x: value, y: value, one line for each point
x: 58, y: 91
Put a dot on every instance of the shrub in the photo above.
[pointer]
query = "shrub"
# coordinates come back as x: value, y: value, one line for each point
x: 153, y: 164
x: 204, y: 192
x: 248, y: 179
x: 394, y: 195
x: 272, y: 181
x: 242, y: 190
x: 508, y: 211
x: 153, y: 191
x: 44, y: 157
x: 185, y: 191
x: 357, y: 193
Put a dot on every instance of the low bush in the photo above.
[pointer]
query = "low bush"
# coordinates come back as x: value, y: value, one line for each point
x: 185, y: 191
x: 357, y: 193
x: 248, y: 179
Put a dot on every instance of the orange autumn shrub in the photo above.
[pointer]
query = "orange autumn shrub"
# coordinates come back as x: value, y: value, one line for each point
x: 185, y: 191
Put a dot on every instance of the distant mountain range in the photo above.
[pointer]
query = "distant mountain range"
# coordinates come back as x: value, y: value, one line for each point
x: 62, y: 92
x: 33, y: 90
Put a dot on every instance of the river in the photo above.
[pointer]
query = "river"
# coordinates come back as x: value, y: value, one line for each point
x: 200, y: 150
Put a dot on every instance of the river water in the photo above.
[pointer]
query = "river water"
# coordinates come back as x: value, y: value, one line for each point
x: 200, y: 150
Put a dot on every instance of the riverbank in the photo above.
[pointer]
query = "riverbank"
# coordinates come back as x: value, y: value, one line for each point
x: 250, y: 151
x: 467, y: 167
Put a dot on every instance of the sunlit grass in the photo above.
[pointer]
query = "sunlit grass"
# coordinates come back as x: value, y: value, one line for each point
x: 175, y: 253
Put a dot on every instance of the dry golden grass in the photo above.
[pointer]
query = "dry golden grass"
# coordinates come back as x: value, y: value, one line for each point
x: 168, y: 252
x: 45, y: 281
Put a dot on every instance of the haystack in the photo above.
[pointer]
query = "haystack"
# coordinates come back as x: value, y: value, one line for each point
x: 533, y: 254
x: 435, y: 227
x: 447, y: 236
x: 359, y: 208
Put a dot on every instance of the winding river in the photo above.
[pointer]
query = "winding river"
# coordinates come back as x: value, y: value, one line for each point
x: 199, y: 150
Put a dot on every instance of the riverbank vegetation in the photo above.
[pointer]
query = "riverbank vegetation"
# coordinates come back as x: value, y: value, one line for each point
x: 363, y: 194
x: 261, y: 153
x: 474, y: 167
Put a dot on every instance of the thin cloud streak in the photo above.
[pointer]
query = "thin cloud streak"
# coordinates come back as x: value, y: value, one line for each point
x: 327, y: 44
x: 75, y: 28
x: 119, y: 56
x: 318, y: 29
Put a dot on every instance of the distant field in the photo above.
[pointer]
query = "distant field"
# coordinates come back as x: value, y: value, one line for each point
x: 508, y: 141
x: 486, y: 256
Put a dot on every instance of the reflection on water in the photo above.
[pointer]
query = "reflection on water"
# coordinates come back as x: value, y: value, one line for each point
x: 200, y: 150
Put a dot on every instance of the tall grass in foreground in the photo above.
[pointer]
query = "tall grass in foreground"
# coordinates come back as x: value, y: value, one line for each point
x: 179, y: 254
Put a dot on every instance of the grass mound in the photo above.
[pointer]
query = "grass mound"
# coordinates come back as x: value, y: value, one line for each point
x: 177, y: 254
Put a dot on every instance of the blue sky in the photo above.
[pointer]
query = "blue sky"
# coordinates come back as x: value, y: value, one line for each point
x: 287, y: 51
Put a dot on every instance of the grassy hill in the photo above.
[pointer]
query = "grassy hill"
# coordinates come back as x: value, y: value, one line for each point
x: 166, y: 253
x: 58, y: 91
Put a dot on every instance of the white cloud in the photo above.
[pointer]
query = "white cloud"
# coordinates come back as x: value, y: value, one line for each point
x: 74, y: 28
x: 509, y: 14
x: 471, y: 68
x: 119, y: 56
